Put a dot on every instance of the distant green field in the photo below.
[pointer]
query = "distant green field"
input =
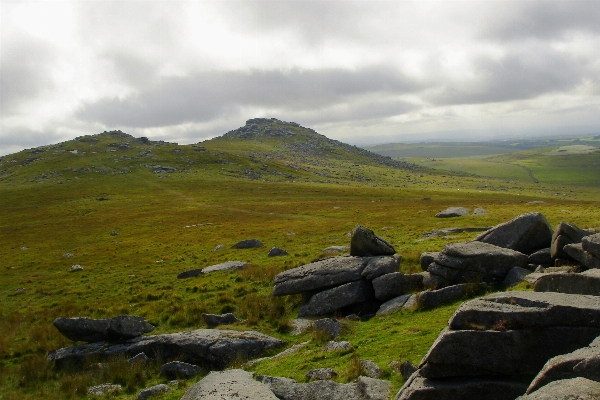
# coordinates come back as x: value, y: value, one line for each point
x: 444, y: 150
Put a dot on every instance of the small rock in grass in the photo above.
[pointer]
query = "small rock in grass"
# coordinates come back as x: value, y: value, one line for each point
x: 76, y: 268
x: 276, y: 251
x: 219, y: 247
x: 153, y: 391
x: 114, y: 233
x: 178, y: 369
x: 370, y: 369
x: 247, y: 244
x: 331, y: 326
x: 337, y: 346
x: 321, y: 374
x: 104, y: 389
x: 20, y: 290
x: 67, y: 255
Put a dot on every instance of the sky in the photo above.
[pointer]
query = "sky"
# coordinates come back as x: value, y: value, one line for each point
x: 363, y: 72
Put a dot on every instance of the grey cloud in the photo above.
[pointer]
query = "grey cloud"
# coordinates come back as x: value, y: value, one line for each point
x: 543, y: 19
x: 519, y: 75
x: 25, y: 66
x: 205, y: 96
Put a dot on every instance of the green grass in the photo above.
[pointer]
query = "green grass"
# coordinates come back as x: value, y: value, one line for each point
x: 171, y: 222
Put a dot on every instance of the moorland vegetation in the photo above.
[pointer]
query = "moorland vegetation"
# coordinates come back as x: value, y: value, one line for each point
x: 134, y: 213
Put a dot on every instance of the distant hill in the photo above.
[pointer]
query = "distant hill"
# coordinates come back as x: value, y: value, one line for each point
x: 267, y: 149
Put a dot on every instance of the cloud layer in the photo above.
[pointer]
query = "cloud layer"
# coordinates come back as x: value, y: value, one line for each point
x: 356, y: 71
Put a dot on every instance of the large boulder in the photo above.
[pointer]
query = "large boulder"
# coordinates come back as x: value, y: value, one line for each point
x: 97, y: 330
x: 394, y: 304
x: 475, y: 261
x: 382, y: 265
x: 364, y: 242
x: 328, y: 301
x: 488, y: 388
x: 209, y: 348
x: 591, y: 244
x: 434, y: 298
x: 577, y: 253
x: 525, y: 233
x: 319, y: 275
x: 451, y: 212
x: 427, y: 258
x: 234, y: 384
x: 395, y: 284
x: 564, y: 234
x: 541, y: 257
x: 567, y: 389
x: 587, y: 282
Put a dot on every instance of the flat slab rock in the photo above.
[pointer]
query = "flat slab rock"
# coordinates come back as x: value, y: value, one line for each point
x: 585, y: 283
x: 525, y: 233
x: 451, y: 212
x: 364, y: 388
x: 518, y: 310
x: 226, y: 266
x: 209, y: 348
x: 96, y: 330
x: 319, y: 275
x: 331, y: 300
x: 419, y: 388
x: 567, y: 389
x: 235, y: 384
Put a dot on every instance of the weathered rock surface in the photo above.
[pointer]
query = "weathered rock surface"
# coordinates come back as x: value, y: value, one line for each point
x: 488, y: 388
x: 509, y: 353
x: 213, y: 320
x: 96, y: 330
x: 209, y: 348
x: 434, y: 298
x: 564, y: 234
x: 378, y: 266
x: 577, y: 253
x: 153, y: 391
x: 371, y: 369
x: 394, y: 304
x: 514, y: 310
x: 395, y: 284
x: 104, y: 389
x: 515, y: 276
x: 364, y: 389
x: 591, y: 244
x: 226, y: 266
x: 541, y: 257
x: 567, y: 389
x: 427, y: 258
x: 587, y: 283
x: 337, y: 346
x: 335, y: 250
x: 579, y: 363
x: 473, y: 261
x: 331, y: 326
x: 322, y: 274
x: 451, y: 212
x: 247, y: 244
x: 180, y: 370
x: 526, y: 233
x: 277, y: 252
x: 407, y: 369
x: 328, y: 301
x: 235, y: 384
x: 365, y: 242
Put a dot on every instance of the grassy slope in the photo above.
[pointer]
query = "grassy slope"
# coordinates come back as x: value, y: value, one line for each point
x: 134, y: 272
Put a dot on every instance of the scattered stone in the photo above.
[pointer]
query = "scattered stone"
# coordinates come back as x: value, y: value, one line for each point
x: 447, y: 231
x: 587, y: 283
x: 407, y: 369
x: 393, y: 305
x: 564, y: 234
x: 566, y: 389
x: 452, y: 212
x: 322, y: 274
x: 330, y: 300
x: 104, y: 389
x: 392, y: 285
x: 180, y: 370
x: 515, y: 276
x: 247, y: 244
x: 284, y: 353
x: 331, y: 326
x: 67, y: 255
x: 20, y: 290
x: 337, y: 346
x: 276, y: 252
x: 370, y: 369
x: 473, y: 261
x: 213, y: 320
x: 98, y: 330
x: 153, y: 391
x: 190, y: 274
x: 226, y: 266
x: 113, y: 233
x: 525, y: 233
x: 215, y: 349
x: 365, y: 242
x: 382, y: 265
x: 300, y: 325
x: 219, y: 247
x: 139, y: 358
x: 321, y: 374
x: 234, y: 384
x: 76, y: 268
x: 479, y: 211
x: 335, y: 250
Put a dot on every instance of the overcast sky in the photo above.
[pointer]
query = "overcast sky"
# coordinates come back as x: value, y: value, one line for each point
x: 356, y: 71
